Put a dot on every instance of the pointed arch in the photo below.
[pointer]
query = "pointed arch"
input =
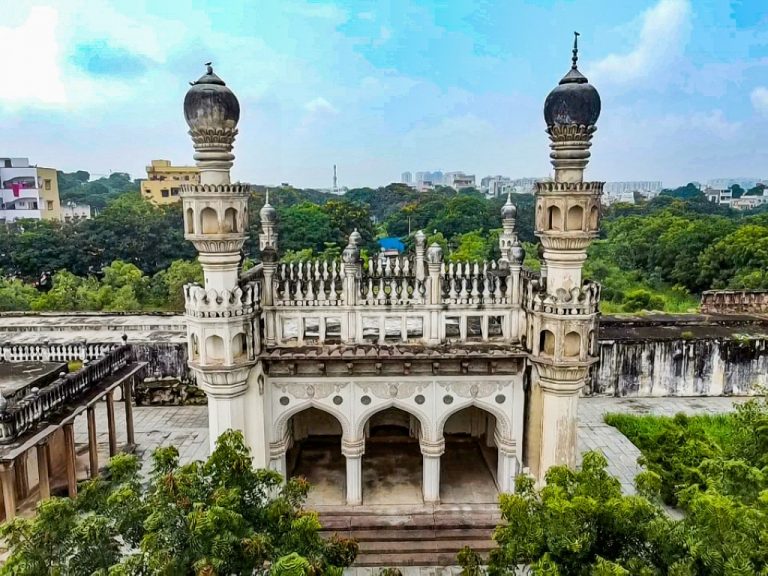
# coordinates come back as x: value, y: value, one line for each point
x: 280, y: 427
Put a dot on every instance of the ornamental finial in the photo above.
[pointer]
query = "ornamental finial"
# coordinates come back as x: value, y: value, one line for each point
x: 575, y: 57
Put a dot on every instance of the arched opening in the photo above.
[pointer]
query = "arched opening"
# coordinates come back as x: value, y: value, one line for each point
x: 575, y: 218
x: 392, y: 464
x: 195, y: 348
x: 468, y: 468
x: 190, y: 221
x: 594, y: 216
x: 547, y: 343
x: 230, y: 221
x: 314, y: 452
x: 554, y: 218
x: 239, y: 346
x: 209, y: 221
x: 214, y: 349
x: 572, y: 345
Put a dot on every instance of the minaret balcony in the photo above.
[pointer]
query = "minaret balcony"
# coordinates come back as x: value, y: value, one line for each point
x: 202, y: 303
x: 566, y: 240
x: 217, y: 243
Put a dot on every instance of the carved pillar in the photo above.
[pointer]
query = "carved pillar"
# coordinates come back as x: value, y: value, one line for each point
x: 353, y: 451
x: 128, y: 399
x: 508, y: 464
x: 277, y: 453
x: 421, y: 254
x: 268, y: 297
x: 431, y: 452
x: 434, y: 291
x: 71, y: 459
x: 8, y: 481
x: 93, y: 451
x: 43, y: 474
x: 112, y: 432
x: 225, y: 388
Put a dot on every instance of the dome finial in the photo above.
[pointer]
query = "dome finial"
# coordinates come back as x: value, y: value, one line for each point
x: 575, y: 57
x: 209, y: 67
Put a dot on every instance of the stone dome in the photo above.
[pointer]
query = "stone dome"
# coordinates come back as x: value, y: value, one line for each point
x: 268, y: 213
x: 509, y: 210
x: 210, y: 104
x: 574, y: 101
x: 355, y: 238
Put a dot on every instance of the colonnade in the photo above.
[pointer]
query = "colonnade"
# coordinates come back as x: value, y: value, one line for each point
x: 432, y: 450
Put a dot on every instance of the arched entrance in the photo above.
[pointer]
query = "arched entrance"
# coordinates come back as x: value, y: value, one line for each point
x: 392, y: 463
x: 314, y: 452
x: 468, y: 467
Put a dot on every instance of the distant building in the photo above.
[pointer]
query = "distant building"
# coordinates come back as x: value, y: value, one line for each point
x: 459, y: 180
x: 722, y: 183
x: 74, y: 211
x: 623, y: 197
x: 28, y: 191
x: 163, y: 183
x: 406, y: 178
x: 647, y: 188
x: 749, y: 202
x: 719, y: 195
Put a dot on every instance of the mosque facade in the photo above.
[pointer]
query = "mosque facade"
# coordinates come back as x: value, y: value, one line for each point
x: 397, y: 360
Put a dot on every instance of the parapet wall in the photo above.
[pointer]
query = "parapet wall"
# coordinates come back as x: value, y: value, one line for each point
x: 652, y: 355
x: 734, y: 302
x: 681, y: 355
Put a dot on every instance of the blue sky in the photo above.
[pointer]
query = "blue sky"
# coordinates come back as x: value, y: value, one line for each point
x: 383, y: 87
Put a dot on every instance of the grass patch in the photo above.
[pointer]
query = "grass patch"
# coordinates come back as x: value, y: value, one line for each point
x: 644, y: 431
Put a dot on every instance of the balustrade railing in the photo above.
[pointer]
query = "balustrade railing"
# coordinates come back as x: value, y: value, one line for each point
x: 51, y: 352
x: 24, y: 410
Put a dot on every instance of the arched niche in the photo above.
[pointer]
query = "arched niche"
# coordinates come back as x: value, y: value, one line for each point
x: 239, y: 346
x: 572, y: 346
x: 209, y: 221
x: 230, y: 221
x: 190, y: 221
x: 214, y: 349
x: 547, y: 343
x: 575, y: 218
x: 554, y: 218
x: 594, y: 217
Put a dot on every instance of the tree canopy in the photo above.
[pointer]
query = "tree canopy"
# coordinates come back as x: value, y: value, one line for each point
x: 212, y: 518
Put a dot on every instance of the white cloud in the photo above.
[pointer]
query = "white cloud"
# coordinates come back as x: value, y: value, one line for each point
x: 759, y: 98
x: 664, y: 32
x: 320, y: 105
x: 36, y: 73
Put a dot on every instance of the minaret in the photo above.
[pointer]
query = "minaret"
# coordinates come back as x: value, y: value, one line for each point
x: 563, y: 310
x: 219, y: 314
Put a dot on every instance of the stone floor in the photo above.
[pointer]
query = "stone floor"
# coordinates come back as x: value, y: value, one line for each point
x: 187, y: 428
x: 392, y: 469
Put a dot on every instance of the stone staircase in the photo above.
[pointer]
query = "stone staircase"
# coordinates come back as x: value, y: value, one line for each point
x: 390, y: 537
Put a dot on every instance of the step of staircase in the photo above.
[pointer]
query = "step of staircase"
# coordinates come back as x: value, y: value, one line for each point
x: 422, y: 538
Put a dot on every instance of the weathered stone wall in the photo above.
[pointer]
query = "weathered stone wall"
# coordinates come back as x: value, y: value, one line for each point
x: 734, y: 302
x: 685, y: 355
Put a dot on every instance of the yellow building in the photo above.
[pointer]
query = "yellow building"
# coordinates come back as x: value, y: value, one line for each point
x: 163, y: 183
x: 48, y: 184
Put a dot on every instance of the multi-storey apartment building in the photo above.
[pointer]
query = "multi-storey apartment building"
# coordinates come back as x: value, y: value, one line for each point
x: 163, y: 183
x: 28, y: 191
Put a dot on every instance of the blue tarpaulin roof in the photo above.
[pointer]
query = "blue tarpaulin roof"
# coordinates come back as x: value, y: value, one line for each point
x: 392, y: 243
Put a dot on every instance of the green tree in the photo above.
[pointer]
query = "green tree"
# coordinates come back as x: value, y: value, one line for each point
x: 15, y: 295
x: 471, y: 247
x: 211, y: 518
x: 303, y: 226
x: 581, y: 524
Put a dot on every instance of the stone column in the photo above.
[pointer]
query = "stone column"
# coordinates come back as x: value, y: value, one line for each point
x: 508, y: 464
x: 268, y: 299
x: 277, y: 453
x: 8, y: 481
x: 225, y: 388
x: 421, y: 254
x: 43, y: 475
x: 556, y: 393
x: 353, y: 451
x: 434, y: 291
x: 431, y: 451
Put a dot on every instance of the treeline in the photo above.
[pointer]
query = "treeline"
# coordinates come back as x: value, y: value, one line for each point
x: 663, y: 253
x: 652, y: 255
x: 119, y: 287
x: 78, y: 187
